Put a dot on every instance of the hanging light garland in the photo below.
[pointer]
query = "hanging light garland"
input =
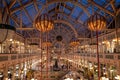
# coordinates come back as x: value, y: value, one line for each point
x: 97, y: 23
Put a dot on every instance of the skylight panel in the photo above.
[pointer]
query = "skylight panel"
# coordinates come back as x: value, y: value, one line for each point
x: 70, y: 4
x: 15, y: 5
x: 51, y: 6
x: 42, y: 1
x: 31, y: 11
x: 117, y: 3
x: 1, y: 5
x: 67, y: 11
x: 76, y: 12
x: 100, y: 2
x: 84, y: 2
x: 12, y: 22
x: 8, y: 1
x: 29, y: 7
x: 64, y: 17
x: 102, y: 13
x: 110, y: 8
x: 18, y: 13
x: 73, y: 16
x: 39, y: 6
x: 83, y: 17
x: 90, y: 9
x: 25, y: 19
x: 95, y: 8
x: 24, y: 1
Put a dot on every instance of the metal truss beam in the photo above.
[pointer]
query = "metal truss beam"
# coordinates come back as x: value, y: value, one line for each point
x: 21, y: 7
x: 56, y: 21
x: 51, y: 2
x: 12, y: 3
x: 35, y: 4
x: 26, y: 12
x: 100, y: 7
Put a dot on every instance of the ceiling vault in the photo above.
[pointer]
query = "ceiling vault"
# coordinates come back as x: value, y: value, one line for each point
x: 54, y: 1
x: 63, y: 11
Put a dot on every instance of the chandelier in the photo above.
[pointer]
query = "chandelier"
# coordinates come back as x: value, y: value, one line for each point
x: 6, y: 32
x: 74, y: 42
x: 44, y: 23
x: 96, y: 22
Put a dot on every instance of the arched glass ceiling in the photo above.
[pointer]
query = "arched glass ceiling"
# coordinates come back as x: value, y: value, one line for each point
x: 23, y: 12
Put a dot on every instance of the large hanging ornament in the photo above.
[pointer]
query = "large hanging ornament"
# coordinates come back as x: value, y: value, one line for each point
x: 96, y: 22
x: 44, y: 23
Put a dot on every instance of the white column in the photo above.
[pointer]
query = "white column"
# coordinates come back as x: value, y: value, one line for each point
x: 19, y: 71
x: 13, y: 73
x: 5, y: 72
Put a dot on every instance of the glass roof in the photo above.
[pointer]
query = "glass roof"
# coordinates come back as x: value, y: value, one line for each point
x: 74, y: 12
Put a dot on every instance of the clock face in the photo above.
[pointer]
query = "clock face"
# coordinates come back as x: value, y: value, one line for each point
x: 59, y: 38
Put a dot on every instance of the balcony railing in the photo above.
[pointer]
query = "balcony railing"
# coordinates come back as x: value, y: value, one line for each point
x: 6, y: 57
x: 112, y: 56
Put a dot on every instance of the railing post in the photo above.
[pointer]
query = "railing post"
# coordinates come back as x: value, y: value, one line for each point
x: 9, y: 57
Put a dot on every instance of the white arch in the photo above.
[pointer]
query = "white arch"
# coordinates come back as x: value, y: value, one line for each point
x: 67, y: 23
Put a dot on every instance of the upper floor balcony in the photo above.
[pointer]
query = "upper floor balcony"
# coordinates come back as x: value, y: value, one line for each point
x: 10, y: 59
